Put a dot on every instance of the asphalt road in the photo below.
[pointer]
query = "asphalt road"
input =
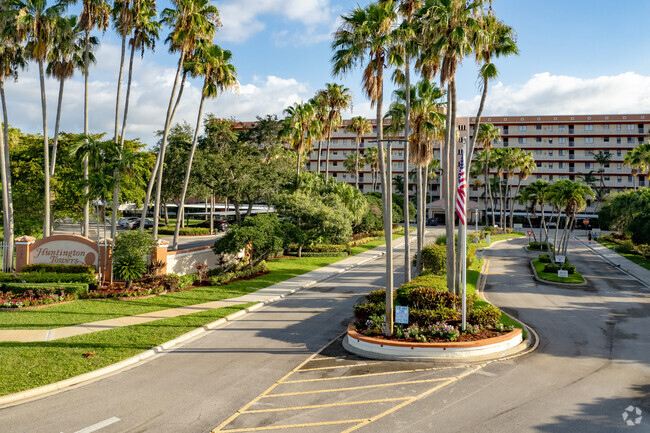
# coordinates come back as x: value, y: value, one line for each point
x: 267, y: 371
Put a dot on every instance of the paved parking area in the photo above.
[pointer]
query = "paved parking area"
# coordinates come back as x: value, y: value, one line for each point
x: 334, y: 391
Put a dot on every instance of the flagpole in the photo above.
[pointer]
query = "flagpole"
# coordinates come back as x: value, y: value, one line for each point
x: 463, y: 238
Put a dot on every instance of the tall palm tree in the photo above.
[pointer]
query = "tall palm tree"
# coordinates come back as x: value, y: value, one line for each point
x: 94, y: 14
x: 570, y: 197
x: 36, y: 23
x: 11, y: 60
x: 371, y: 159
x: 360, y: 126
x: 448, y: 30
x: 639, y: 160
x: 213, y: 64
x: 488, y: 134
x: 538, y: 194
x: 191, y: 21
x: 367, y: 33
x: 338, y: 98
x: 145, y: 30
x: 65, y: 56
x: 525, y: 165
x: 300, y: 126
x: 319, y: 101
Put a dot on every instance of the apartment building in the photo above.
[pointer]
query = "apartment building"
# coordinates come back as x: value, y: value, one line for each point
x: 563, y: 148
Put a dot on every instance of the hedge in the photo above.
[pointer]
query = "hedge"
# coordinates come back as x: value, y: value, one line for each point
x: 186, y: 231
x: 552, y: 268
x: 320, y: 248
x: 486, y: 316
x: 434, y: 259
x: 20, y: 288
x: 48, y: 277
x: 362, y: 312
x: 219, y: 280
x: 60, y: 269
x: 310, y: 254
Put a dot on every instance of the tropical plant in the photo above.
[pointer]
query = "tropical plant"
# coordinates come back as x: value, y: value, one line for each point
x: 360, y: 126
x: 129, y: 254
x: 639, y: 160
x: 299, y: 127
x: 525, y: 165
x: 488, y: 134
x: 337, y: 98
x: 213, y: 64
x: 568, y: 197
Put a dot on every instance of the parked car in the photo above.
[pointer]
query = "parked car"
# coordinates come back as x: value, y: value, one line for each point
x: 135, y: 223
x: 432, y: 221
x: 126, y: 222
x: 219, y: 225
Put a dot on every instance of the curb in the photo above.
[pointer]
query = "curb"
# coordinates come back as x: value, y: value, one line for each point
x: 584, y: 285
x: 42, y: 391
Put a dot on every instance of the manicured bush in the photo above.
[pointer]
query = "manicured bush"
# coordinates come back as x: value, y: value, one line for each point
x: 552, y: 268
x: 486, y: 316
x: 541, y: 246
x: 544, y: 258
x: 129, y: 268
x: 363, y: 312
x: 428, y: 298
x: 225, y: 278
x: 377, y: 296
x: 129, y: 255
x: 186, y: 231
x: 430, y: 317
x: 186, y: 281
x: 48, y: 277
x: 60, y: 269
x: 21, y: 288
x: 434, y: 259
x: 170, y: 282
x: 341, y: 254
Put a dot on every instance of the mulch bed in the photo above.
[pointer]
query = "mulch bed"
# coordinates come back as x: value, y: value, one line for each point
x: 483, y: 334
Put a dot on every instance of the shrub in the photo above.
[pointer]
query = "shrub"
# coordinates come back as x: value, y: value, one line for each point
x: 437, y: 282
x: 490, y: 230
x: 60, y: 269
x: 186, y: 281
x: 413, y: 331
x: 186, y: 231
x: 428, y: 298
x: 544, y: 258
x: 170, y: 282
x: 66, y: 288
x: 363, y: 312
x: 129, y: 268
x: 48, y: 277
x: 540, y: 246
x: 376, y: 296
x: 129, y: 255
x: 430, y: 317
x: 552, y: 268
x: 441, y: 240
x: 227, y: 277
x: 434, y: 259
x: 473, y: 238
x: 443, y: 330
x: 486, y: 316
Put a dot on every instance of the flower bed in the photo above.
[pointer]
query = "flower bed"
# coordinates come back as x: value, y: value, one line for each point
x: 10, y: 301
x: 119, y: 291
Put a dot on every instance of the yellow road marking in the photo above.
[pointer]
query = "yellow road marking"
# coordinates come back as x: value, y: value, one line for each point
x: 277, y: 427
x: 406, y: 403
x: 417, y: 370
x: 352, y: 388
x: 333, y: 367
x: 272, y: 387
x: 320, y: 406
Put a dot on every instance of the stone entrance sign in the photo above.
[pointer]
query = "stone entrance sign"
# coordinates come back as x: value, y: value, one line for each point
x: 64, y: 250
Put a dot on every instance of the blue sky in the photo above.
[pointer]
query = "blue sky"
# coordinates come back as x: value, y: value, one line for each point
x: 578, y: 56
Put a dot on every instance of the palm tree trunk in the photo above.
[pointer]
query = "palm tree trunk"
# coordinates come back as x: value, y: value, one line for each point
x: 56, y: 128
x: 512, y: 205
x: 407, y: 128
x: 327, y: 157
x: 298, y: 168
x: 548, y: 246
x: 85, y: 230
x: 187, y: 172
x: 7, y: 199
x: 46, y: 149
x: 116, y: 190
x: 356, y: 166
x: 152, y: 180
x: 320, y: 145
x: 156, y: 216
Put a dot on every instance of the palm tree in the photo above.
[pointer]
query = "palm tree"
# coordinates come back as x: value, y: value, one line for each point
x: 350, y: 163
x: 145, y: 30
x: 300, y: 126
x: 338, y: 98
x: 371, y: 158
x: 488, y: 134
x: 442, y: 54
x: 603, y: 159
x: 571, y: 197
x: 11, y: 60
x: 191, y: 21
x: 319, y: 101
x: 525, y: 165
x: 538, y: 194
x: 367, y: 33
x: 36, y: 23
x: 639, y: 159
x: 360, y: 126
x: 214, y: 64
x: 94, y: 14
x: 65, y: 56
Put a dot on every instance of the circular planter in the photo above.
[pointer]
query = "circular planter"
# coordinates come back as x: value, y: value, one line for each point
x: 376, y: 348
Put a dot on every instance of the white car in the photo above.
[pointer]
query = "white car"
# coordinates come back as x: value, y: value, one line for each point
x: 126, y: 222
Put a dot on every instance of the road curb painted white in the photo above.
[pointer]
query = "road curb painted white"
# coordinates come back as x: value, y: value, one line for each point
x: 42, y: 391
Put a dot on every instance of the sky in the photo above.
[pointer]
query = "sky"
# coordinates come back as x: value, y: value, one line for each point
x: 576, y: 57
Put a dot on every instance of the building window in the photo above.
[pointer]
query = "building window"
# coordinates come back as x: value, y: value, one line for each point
x: 619, y: 165
x: 550, y: 140
x: 505, y: 142
x: 550, y: 127
x: 521, y: 140
x: 606, y: 177
x: 335, y: 164
x: 538, y: 139
x: 538, y: 127
x: 619, y: 179
x: 538, y: 176
x: 550, y: 165
x: 618, y: 127
x: 522, y: 127
x: 589, y: 140
x: 630, y: 127
x: 630, y: 140
x: 618, y: 140
x: 550, y: 178
x: 538, y: 152
x: 629, y: 180
x: 560, y: 152
x: 335, y: 153
x: 561, y: 127
x: 606, y: 127
x: 539, y: 165
x: 561, y: 165
x: 606, y: 139
x: 589, y: 152
x: 550, y: 153
x: 587, y: 164
x: 589, y: 127
x: 618, y: 152
x: 561, y: 140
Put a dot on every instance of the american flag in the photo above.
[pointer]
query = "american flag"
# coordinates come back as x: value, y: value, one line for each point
x: 461, y: 194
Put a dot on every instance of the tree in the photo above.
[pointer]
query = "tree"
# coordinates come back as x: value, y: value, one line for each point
x: 371, y: 158
x: 36, y: 23
x: 138, y: 19
x: 603, y: 159
x: 191, y: 21
x: 360, y: 126
x: 488, y: 134
x: 569, y: 197
x: 367, y: 33
x: 538, y: 195
x: 525, y: 165
x: 129, y: 254
x: 214, y: 64
x: 337, y: 98
x: 299, y: 127
x: 639, y: 159
x: 94, y: 14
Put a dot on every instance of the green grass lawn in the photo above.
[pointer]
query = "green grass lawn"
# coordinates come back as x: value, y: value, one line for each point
x: 28, y: 365
x: 630, y: 255
x: 574, y: 278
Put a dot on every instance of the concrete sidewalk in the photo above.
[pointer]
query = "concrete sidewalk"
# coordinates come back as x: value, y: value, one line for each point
x: 618, y: 261
x: 262, y: 297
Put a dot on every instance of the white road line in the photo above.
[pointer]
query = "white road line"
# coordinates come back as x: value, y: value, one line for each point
x: 99, y: 425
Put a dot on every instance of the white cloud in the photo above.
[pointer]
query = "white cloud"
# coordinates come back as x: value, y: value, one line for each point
x: 150, y: 93
x: 559, y: 94
x: 243, y: 18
